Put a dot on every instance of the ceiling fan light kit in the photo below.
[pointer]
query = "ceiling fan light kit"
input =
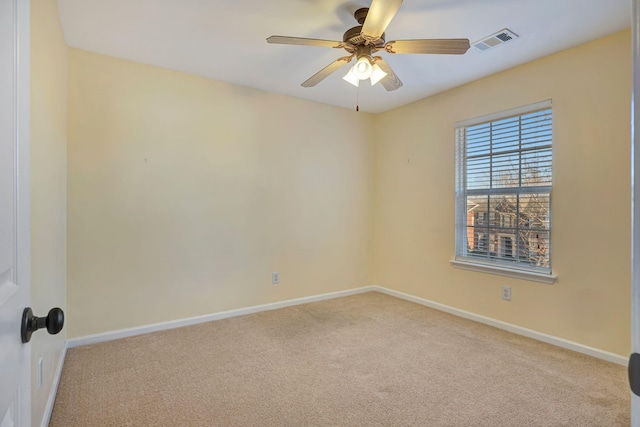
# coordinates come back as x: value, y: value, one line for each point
x: 364, y: 69
x: 363, y: 41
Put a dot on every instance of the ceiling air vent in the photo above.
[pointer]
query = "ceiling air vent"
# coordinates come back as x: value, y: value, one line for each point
x: 496, y: 39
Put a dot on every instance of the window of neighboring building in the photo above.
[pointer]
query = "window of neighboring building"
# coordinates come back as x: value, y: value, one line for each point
x: 503, y: 189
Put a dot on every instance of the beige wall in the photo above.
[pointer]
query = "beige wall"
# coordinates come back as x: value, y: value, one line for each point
x: 414, y: 205
x: 185, y: 193
x: 48, y: 188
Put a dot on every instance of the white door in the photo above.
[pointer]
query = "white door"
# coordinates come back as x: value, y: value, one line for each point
x: 15, y: 357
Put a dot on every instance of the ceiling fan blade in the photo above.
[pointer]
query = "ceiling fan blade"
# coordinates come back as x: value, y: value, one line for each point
x: 304, y: 42
x: 390, y: 81
x: 378, y: 18
x: 442, y: 46
x: 326, y: 71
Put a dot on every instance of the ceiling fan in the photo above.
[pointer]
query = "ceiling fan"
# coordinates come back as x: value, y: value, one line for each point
x: 366, y: 39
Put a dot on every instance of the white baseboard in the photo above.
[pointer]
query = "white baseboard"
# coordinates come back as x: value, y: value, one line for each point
x: 140, y: 330
x: 48, y: 410
x: 549, y: 339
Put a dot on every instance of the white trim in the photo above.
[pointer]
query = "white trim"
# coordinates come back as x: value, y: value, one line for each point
x: 22, y: 129
x: 543, y: 105
x: 635, y: 200
x: 518, y: 330
x: 549, y: 339
x: 48, y: 410
x: 503, y: 271
x: 140, y: 330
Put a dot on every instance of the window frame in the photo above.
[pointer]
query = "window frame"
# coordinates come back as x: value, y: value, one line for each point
x: 488, y: 265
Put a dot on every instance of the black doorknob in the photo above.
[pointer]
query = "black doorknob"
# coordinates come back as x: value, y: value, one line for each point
x: 30, y: 323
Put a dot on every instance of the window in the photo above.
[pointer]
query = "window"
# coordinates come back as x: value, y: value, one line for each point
x: 503, y: 189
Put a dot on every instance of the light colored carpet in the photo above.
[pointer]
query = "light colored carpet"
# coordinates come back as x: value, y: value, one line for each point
x: 363, y: 360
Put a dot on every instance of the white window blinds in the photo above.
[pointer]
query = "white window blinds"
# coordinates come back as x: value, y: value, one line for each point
x: 503, y: 188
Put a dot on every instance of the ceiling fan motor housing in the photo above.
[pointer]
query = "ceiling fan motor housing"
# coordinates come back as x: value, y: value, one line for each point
x: 354, y: 35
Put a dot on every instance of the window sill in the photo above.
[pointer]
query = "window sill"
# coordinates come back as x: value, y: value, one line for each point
x: 502, y: 271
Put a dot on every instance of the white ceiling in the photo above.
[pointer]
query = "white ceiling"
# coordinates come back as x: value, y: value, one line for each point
x: 225, y: 40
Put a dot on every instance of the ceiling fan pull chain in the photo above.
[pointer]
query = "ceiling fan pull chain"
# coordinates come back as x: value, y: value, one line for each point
x: 357, y: 98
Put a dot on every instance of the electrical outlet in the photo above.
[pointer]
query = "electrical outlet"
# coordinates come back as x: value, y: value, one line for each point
x: 40, y: 371
x: 275, y: 278
x: 506, y: 293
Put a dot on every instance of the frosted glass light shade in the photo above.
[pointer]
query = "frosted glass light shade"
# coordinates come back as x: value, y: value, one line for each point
x: 351, y: 77
x: 377, y: 74
x: 363, y: 68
